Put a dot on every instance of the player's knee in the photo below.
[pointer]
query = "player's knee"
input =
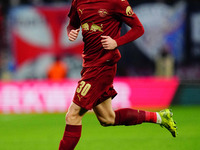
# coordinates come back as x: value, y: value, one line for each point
x: 68, y: 118
x: 108, y: 121
x: 73, y: 119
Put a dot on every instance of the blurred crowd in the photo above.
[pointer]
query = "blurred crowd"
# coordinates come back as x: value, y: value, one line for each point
x: 7, y: 64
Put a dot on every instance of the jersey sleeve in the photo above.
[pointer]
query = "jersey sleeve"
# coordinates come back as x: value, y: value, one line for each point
x: 125, y: 13
x: 74, y: 22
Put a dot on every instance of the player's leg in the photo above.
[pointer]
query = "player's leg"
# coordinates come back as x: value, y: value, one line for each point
x: 73, y: 127
x: 128, y: 116
x: 105, y: 113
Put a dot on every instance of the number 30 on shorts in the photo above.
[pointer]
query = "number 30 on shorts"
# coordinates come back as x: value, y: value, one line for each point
x: 83, y: 88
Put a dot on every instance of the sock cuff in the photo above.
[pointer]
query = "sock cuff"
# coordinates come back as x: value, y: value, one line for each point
x: 73, y: 131
x: 71, y: 137
x: 147, y: 116
x: 73, y: 128
x: 150, y: 117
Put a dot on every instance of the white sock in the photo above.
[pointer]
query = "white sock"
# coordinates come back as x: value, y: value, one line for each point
x: 159, y: 119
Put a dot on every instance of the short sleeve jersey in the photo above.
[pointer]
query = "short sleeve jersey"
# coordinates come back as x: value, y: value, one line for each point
x: 96, y: 18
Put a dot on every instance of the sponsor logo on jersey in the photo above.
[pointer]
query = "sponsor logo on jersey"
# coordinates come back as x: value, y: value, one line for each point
x: 92, y: 27
x: 95, y: 28
x: 102, y: 12
x: 85, y: 26
x: 129, y: 11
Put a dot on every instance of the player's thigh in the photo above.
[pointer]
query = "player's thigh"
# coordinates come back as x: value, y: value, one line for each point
x: 105, y: 113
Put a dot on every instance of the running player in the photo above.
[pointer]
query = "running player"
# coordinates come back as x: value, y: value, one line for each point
x: 100, y: 21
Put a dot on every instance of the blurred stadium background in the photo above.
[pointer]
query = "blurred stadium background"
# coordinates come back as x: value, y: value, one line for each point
x: 161, y: 69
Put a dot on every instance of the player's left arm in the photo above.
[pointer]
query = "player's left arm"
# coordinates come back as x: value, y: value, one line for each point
x: 136, y: 31
x: 126, y: 14
x: 108, y: 43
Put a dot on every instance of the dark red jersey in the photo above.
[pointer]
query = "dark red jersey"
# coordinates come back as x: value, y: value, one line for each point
x: 103, y: 17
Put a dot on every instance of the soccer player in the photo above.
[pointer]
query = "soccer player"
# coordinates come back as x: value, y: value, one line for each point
x: 100, y: 21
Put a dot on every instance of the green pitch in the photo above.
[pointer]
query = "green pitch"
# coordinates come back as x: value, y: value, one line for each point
x: 44, y: 131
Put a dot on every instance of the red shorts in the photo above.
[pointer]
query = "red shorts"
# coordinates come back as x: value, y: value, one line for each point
x: 95, y: 86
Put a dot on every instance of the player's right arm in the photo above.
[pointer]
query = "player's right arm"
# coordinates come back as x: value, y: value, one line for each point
x: 74, y: 23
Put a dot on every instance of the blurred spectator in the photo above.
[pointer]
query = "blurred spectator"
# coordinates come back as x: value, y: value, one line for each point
x: 165, y: 64
x: 2, y: 39
x: 1, y: 36
x: 58, y: 70
x: 14, y: 3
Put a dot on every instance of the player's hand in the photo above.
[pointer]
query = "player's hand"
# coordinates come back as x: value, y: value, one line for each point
x: 73, y: 34
x: 108, y: 43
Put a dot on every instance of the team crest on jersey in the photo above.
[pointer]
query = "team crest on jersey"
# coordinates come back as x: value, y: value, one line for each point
x: 129, y: 11
x: 102, y: 12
